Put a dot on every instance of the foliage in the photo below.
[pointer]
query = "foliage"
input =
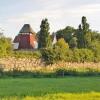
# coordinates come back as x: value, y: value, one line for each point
x: 57, y: 54
x: 44, y: 35
x: 52, y: 55
x: 95, y: 46
x: 84, y: 34
x: 81, y: 45
x: 66, y: 33
x: 62, y: 44
x: 83, y: 55
x: 61, y: 48
x: 95, y: 36
x: 73, y: 43
x: 80, y: 39
x: 5, y: 46
x: 24, y: 54
x: 49, y: 55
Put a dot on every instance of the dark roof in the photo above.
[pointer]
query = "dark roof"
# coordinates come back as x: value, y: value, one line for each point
x: 26, y: 29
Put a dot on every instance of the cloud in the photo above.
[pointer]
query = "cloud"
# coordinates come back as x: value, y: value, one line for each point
x: 59, y: 12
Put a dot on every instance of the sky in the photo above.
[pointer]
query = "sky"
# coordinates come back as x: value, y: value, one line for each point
x: 60, y: 13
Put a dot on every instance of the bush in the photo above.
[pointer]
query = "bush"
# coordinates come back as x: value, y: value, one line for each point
x: 49, y: 55
x: 95, y: 47
x: 1, y: 72
x: 29, y: 54
x: 83, y: 55
x: 58, y: 53
x: 5, y: 46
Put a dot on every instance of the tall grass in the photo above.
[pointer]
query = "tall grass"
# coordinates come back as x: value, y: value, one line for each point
x: 55, y: 72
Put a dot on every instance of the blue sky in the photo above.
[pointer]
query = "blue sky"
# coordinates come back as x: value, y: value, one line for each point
x: 60, y: 13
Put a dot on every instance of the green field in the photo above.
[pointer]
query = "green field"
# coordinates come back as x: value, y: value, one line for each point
x: 42, y: 86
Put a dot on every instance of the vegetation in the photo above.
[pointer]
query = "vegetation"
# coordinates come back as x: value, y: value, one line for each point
x: 84, y: 34
x: 42, y: 86
x: 66, y: 33
x: 44, y: 35
x: 73, y: 45
x: 5, y: 46
x: 83, y: 45
x: 71, y: 88
x: 60, y: 96
x: 28, y: 54
x: 52, y: 55
x: 51, y: 73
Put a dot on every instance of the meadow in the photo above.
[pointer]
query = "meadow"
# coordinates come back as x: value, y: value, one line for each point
x: 74, y: 88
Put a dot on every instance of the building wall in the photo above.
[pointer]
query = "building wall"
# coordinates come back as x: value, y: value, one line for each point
x: 26, y: 41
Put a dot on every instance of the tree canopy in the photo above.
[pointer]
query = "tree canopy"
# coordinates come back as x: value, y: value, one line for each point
x: 44, y: 35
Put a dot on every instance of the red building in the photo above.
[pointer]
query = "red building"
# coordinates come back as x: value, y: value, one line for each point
x: 26, y: 39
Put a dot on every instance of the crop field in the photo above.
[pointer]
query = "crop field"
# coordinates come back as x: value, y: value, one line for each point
x: 50, y: 88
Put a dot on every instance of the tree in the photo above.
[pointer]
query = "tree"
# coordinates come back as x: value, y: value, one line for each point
x: 66, y: 33
x: 61, y: 48
x: 62, y: 44
x: 95, y: 47
x: 58, y: 53
x: 49, y: 55
x: 84, y: 34
x: 44, y: 35
x: 82, y: 55
x: 73, y: 43
x: 5, y: 46
x: 95, y: 36
x: 80, y: 39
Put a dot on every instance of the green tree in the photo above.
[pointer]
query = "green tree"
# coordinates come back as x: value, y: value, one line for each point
x: 73, y: 43
x: 61, y: 48
x: 95, y: 46
x: 80, y: 39
x: 49, y: 55
x: 84, y: 34
x: 58, y: 53
x: 44, y: 35
x: 95, y: 36
x: 5, y: 46
x: 66, y: 33
x: 82, y: 55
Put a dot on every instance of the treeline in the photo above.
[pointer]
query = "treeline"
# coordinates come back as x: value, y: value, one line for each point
x: 73, y: 45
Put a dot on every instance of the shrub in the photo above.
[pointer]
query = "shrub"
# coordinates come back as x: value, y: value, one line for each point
x: 23, y: 54
x: 95, y: 47
x: 49, y: 55
x: 5, y: 46
x: 83, y: 55
x: 61, y: 48
x: 1, y: 72
x: 58, y: 53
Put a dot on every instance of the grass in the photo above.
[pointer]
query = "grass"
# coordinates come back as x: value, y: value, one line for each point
x: 60, y: 96
x: 21, y: 87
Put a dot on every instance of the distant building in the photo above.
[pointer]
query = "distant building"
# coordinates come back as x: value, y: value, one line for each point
x: 26, y: 39
x: 1, y: 32
x: 1, y: 35
x: 54, y: 38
